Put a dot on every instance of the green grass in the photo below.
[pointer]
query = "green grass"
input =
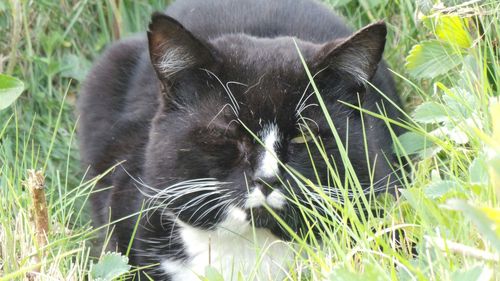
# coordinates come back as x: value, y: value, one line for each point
x: 450, y: 207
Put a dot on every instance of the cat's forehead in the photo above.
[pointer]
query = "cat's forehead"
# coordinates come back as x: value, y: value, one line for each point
x: 253, y: 57
x: 264, y: 80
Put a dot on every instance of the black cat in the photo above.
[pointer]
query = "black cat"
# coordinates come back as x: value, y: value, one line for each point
x: 182, y: 111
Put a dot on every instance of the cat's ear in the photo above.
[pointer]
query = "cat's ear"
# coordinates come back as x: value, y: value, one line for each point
x: 173, y: 49
x: 357, y: 55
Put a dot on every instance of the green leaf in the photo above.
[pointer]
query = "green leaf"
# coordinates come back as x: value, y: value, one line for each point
x: 212, y: 274
x: 10, y: 89
x: 479, y: 218
x: 75, y: 67
x: 478, y: 171
x: 438, y: 189
x: 480, y: 272
x: 432, y: 58
x: 430, y: 112
x: 451, y: 28
x: 110, y: 266
x: 411, y: 143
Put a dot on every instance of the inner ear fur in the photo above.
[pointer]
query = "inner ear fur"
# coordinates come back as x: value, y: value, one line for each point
x: 173, y: 49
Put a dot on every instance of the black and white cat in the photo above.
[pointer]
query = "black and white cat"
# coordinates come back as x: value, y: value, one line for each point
x: 177, y: 109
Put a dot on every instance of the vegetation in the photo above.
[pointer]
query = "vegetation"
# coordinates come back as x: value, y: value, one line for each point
x: 445, y: 57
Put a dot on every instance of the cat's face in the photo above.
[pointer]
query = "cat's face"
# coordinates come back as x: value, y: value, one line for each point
x: 238, y: 113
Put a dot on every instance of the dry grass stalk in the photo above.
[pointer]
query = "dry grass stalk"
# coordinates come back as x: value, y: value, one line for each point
x: 40, y: 218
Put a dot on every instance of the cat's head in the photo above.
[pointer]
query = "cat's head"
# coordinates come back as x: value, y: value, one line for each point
x: 237, y: 112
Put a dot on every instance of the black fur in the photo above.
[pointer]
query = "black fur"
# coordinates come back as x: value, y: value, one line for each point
x: 168, y: 125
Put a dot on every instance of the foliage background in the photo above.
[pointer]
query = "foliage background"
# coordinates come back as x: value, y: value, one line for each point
x: 445, y: 57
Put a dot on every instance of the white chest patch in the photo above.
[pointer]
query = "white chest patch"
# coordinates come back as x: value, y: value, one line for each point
x: 234, y: 248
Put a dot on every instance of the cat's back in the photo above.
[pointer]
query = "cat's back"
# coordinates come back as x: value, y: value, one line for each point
x: 117, y: 99
x: 305, y: 19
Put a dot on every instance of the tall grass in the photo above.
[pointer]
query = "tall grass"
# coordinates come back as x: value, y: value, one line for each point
x: 448, y: 209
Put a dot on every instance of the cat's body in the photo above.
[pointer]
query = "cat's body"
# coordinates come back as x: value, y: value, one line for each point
x: 231, y: 66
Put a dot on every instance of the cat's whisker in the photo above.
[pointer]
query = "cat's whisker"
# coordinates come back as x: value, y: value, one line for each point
x: 232, y: 99
x: 254, y: 85
x: 302, y: 102
x: 302, y: 97
x: 220, y: 111
x: 310, y: 120
x: 169, y: 201
x: 305, y: 107
x: 198, y: 200
x: 221, y: 206
x: 195, y: 212
x: 300, y: 108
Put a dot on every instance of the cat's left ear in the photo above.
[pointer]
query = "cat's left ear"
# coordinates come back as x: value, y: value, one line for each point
x: 173, y: 49
x: 357, y: 55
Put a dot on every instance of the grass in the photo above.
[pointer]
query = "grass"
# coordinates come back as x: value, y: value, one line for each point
x: 449, y: 208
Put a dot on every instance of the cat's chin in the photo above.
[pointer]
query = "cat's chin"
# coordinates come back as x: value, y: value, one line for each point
x: 260, y: 217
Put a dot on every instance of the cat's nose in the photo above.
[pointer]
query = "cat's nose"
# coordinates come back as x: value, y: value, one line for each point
x: 268, y: 184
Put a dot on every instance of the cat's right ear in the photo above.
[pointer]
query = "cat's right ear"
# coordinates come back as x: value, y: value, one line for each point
x: 173, y: 49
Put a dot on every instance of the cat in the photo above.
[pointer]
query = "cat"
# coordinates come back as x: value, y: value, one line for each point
x: 204, y: 117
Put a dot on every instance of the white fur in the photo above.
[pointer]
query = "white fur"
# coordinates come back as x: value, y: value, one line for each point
x: 256, y: 198
x: 234, y: 247
x: 174, y: 60
x: 269, y: 165
x: 276, y: 199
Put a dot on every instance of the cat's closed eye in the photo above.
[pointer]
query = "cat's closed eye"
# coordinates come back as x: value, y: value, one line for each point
x: 302, y: 138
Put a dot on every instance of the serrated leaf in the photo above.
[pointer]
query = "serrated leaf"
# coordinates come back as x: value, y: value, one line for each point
x: 477, y: 273
x: 430, y: 112
x: 440, y: 188
x: 411, y: 143
x: 110, y: 266
x: 452, y: 29
x: 432, y: 58
x: 10, y: 89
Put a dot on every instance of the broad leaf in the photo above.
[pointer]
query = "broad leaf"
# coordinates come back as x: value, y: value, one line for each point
x: 478, y: 171
x: 412, y: 143
x: 110, y: 266
x: 75, y: 67
x: 452, y: 29
x: 440, y: 188
x: 432, y: 58
x: 485, y: 225
x: 430, y: 112
x: 477, y: 273
x: 10, y: 89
